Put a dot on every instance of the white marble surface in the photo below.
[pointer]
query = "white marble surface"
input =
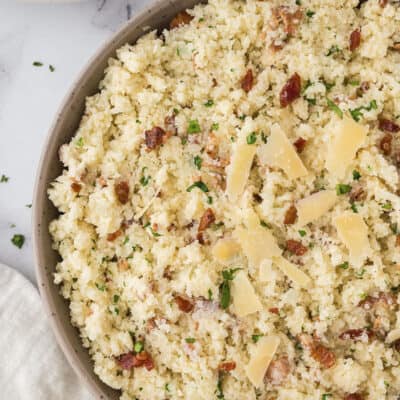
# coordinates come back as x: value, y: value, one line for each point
x: 65, y: 36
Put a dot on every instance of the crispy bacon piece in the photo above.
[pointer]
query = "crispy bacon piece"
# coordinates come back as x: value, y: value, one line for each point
x: 144, y: 359
x: 384, y: 299
x: 296, y: 247
x: 247, y: 81
x: 184, y: 303
x: 76, y: 187
x: 300, y: 143
x: 126, y: 361
x: 290, y: 215
x: 383, y: 3
x: 154, y: 137
x: 278, y: 370
x: 282, y: 15
x: 323, y: 355
x: 385, y: 144
x: 353, y: 396
x: 112, y: 236
x: 291, y: 90
x: 356, y: 334
x: 387, y: 125
x: 122, y: 191
x: 206, y: 220
x: 355, y: 40
x: 274, y: 310
x: 357, y: 193
x: 169, y: 123
x: 182, y: 18
x: 227, y: 366
x: 151, y: 324
x: 398, y: 241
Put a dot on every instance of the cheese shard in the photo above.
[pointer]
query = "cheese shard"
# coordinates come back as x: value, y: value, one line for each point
x: 239, y: 169
x: 346, y: 141
x: 244, y: 298
x: 279, y: 152
x: 261, y: 358
x: 393, y: 336
x: 294, y: 273
x: 312, y: 207
x: 264, y: 272
x: 353, y: 232
x: 226, y: 250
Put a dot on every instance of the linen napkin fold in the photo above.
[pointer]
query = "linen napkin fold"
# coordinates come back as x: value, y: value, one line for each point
x: 31, y: 364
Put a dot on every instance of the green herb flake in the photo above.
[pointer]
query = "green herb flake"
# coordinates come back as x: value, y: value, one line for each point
x: 18, y: 240
x: 4, y: 179
x: 344, y: 265
x: 116, y: 310
x: 387, y: 206
x: 393, y: 228
x: 215, y: 126
x: 28, y: 205
x: 354, y: 208
x: 313, y: 102
x: 302, y: 233
x: 326, y: 396
x: 264, y: 137
x: 138, y: 347
x: 227, y: 275
x: 153, y: 232
x: 298, y: 2
x: 251, y: 138
x: 310, y: 13
x: 256, y: 337
x: 360, y: 273
x: 193, y: 126
x: 200, y: 185
x: 166, y: 387
x: 115, y: 298
x: 335, y: 108
x: 209, y: 103
x: 52, y: 68
x: 242, y: 117
x: 328, y: 86
x: 79, y: 142
x: 37, y: 64
x: 144, y: 180
x: 100, y: 287
x: 333, y: 50
x: 342, y: 188
x: 219, y: 391
x: 210, y: 295
x: 356, y: 175
x: 209, y: 200
x: 184, y: 140
x: 356, y: 113
x: 198, y: 161
x: 190, y: 340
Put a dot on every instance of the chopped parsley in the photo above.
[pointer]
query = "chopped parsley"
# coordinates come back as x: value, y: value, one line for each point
x: 251, y: 138
x: 393, y: 228
x: 100, y: 287
x: 209, y: 200
x: 310, y: 101
x: 144, y: 180
x: 138, y: 347
x: 328, y: 86
x: 37, y: 64
x: 242, y: 117
x: 256, y: 337
x: 210, y: 295
x: 354, y: 208
x: 310, y: 13
x: 200, y: 185
x: 209, y: 103
x: 153, y: 232
x: 52, y: 68
x: 334, y: 107
x: 18, y: 240
x: 326, y: 396
x: 264, y: 137
x: 197, y: 160
x: 387, y: 206
x: 333, y: 50
x: 219, y: 392
x: 360, y: 273
x: 344, y: 265
x: 79, y: 142
x: 194, y: 126
x: 115, y: 298
x: 302, y: 233
x: 357, y: 113
x: 356, y: 175
x: 348, y: 81
x: 225, y: 289
x: 342, y: 188
x: 166, y: 387
x: 28, y: 205
x: 190, y: 340
x: 215, y: 126
x: 4, y: 179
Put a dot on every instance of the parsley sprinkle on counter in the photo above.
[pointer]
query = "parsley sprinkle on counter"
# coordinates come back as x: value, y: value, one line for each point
x: 18, y: 240
x: 4, y: 179
x: 37, y: 64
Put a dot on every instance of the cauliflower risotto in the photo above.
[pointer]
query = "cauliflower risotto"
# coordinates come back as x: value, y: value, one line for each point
x: 229, y: 211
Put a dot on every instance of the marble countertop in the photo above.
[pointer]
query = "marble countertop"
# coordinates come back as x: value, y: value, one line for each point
x: 63, y: 36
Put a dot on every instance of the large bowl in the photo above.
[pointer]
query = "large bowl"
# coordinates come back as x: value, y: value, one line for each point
x: 155, y: 16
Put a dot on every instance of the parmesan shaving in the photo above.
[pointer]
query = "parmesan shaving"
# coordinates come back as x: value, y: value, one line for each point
x: 244, y: 298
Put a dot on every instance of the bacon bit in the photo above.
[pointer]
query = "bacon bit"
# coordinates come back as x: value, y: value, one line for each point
x: 396, y: 345
x: 182, y: 18
x: 357, y: 193
x: 278, y: 370
x: 383, y: 3
x: 206, y: 220
x: 144, y: 359
x: 356, y: 334
x: 227, y: 366
x: 76, y: 187
x: 295, y: 247
x: 355, y: 39
x: 353, y: 396
x: 122, y: 191
x: 385, y: 299
x: 184, y: 303
x: 274, y: 310
x: 149, y: 364
x: 257, y: 198
x: 291, y: 90
x: 247, y: 81
x: 385, y: 144
x: 154, y: 137
x: 123, y: 264
x: 201, y: 239
x: 398, y: 241
x: 126, y: 361
x: 388, y: 126
x: 112, y: 236
x: 167, y: 274
x: 396, y: 46
x: 290, y: 215
x: 151, y: 324
x: 290, y: 20
x: 300, y: 143
x: 364, y: 86
x: 323, y: 355
x: 102, y: 181
x: 169, y: 122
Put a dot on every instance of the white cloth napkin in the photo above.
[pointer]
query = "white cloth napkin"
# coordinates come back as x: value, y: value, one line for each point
x: 31, y: 364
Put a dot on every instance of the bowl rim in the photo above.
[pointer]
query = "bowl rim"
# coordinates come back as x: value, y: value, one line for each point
x: 139, y: 19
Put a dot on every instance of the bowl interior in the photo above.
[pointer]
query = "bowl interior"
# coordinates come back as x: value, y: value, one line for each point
x: 156, y: 16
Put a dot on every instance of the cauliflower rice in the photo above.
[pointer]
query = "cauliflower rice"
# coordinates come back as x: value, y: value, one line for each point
x: 188, y: 271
